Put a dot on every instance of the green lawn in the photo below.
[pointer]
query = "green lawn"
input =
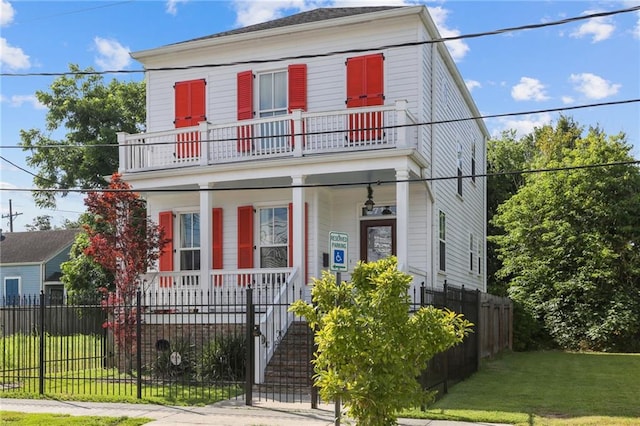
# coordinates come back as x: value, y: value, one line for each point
x: 539, y: 388
x: 28, y: 419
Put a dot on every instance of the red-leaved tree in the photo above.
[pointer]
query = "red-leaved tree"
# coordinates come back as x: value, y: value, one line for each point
x: 124, y: 242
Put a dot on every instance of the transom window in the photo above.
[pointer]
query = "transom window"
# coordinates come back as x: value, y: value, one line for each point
x: 274, y: 237
x: 189, y: 242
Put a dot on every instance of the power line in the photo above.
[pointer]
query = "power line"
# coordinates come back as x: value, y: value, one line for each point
x: 325, y: 132
x: 73, y: 12
x: 338, y: 184
x: 339, y: 52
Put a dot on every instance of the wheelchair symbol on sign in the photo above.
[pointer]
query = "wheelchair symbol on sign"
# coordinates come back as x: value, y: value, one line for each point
x: 338, y: 257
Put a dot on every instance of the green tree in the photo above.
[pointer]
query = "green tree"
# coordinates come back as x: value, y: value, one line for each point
x: 570, y: 247
x: 90, y: 112
x: 40, y: 223
x: 82, y: 276
x: 370, y: 348
x: 505, y: 157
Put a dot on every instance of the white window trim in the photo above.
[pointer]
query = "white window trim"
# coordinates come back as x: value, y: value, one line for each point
x: 472, y: 252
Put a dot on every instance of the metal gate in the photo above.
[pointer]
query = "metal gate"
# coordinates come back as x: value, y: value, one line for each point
x: 280, y: 347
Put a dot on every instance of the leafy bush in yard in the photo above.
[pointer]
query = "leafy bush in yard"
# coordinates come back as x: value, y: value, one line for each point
x: 223, y: 359
x: 176, y: 361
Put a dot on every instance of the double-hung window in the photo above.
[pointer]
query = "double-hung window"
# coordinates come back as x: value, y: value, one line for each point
x: 189, y: 242
x: 274, y: 237
x: 272, y: 92
x: 443, y: 241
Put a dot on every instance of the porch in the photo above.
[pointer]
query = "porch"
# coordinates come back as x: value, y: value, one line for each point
x: 296, y: 134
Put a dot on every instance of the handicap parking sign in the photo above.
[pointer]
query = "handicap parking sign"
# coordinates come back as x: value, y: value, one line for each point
x: 339, y: 251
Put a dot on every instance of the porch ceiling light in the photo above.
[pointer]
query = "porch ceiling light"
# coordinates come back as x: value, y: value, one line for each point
x: 369, y: 203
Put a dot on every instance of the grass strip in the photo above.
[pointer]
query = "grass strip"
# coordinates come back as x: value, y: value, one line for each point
x: 547, y: 387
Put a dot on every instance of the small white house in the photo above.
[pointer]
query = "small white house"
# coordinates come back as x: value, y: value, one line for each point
x: 262, y: 141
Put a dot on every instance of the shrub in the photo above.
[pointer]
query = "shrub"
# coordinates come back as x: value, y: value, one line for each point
x: 223, y: 359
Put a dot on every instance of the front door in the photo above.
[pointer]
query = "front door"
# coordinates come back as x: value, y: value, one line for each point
x: 377, y: 239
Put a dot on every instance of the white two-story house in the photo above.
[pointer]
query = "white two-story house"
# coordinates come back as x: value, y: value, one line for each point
x: 264, y: 140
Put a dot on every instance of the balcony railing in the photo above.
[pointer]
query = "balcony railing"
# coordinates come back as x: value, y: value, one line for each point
x: 293, y: 135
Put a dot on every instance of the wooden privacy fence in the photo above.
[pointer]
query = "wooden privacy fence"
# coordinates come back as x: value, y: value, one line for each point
x: 495, y: 324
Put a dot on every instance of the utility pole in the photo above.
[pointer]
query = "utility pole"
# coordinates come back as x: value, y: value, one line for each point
x: 11, y: 215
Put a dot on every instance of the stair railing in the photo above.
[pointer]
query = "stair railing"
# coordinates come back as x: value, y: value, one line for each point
x: 274, y: 323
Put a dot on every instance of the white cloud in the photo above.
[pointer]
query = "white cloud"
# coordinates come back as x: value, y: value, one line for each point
x: 7, y: 185
x: 6, y: 13
x: 12, y: 57
x: 19, y: 100
x: 255, y: 12
x: 567, y: 100
x: 472, y: 84
x: 636, y: 30
x: 457, y: 48
x: 112, y: 55
x: 172, y: 6
x: 522, y: 125
x: 598, y: 28
x: 529, y: 89
x: 593, y: 86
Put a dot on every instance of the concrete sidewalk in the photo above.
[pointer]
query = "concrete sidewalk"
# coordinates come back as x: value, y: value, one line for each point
x: 224, y: 413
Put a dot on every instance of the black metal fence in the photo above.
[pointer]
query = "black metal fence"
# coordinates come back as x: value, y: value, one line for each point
x: 190, y: 346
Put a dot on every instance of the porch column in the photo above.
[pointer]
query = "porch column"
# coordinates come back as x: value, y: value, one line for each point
x: 206, y: 238
x: 297, y: 198
x: 402, y: 219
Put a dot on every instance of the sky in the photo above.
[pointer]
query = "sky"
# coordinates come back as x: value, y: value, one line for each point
x: 585, y: 62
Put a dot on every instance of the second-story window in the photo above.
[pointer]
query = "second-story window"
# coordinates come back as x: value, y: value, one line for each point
x: 272, y: 94
x: 278, y: 93
x: 459, y: 169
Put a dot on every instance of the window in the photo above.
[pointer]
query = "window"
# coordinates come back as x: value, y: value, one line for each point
x: 12, y: 291
x: 189, y: 242
x: 472, y: 252
x: 443, y: 243
x: 459, y: 171
x: 473, y: 163
x: 479, y: 252
x: 274, y: 237
x: 272, y: 93
x: 278, y: 93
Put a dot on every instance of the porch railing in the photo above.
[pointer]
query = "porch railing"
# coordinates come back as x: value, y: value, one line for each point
x: 224, y: 287
x: 293, y: 135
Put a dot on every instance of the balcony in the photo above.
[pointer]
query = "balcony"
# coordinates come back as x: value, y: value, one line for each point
x: 294, y: 135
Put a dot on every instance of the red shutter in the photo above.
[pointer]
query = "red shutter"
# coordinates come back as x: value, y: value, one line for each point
x: 297, y: 93
x: 355, y: 82
x: 165, y: 263
x: 216, y: 246
x: 217, y: 238
x: 365, y: 87
x: 190, y: 109
x: 374, y: 82
x: 245, y: 242
x: 245, y: 109
x: 298, y: 87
